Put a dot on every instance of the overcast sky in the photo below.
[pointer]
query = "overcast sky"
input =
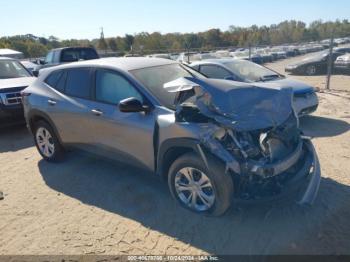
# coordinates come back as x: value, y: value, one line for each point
x: 83, y: 18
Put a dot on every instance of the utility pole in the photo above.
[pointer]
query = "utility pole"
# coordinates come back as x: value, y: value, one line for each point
x: 330, y: 61
x: 250, y: 52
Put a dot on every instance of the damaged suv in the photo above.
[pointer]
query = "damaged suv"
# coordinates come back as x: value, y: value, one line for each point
x: 214, y: 141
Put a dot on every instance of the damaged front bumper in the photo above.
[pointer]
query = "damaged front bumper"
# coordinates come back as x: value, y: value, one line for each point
x: 254, y: 132
x: 314, y: 177
x: 304, y: 183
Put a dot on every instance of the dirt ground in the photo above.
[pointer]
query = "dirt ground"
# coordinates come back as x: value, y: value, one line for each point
x: 92, y: 206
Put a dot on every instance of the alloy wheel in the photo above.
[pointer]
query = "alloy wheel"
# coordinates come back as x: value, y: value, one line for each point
x: 194, y: 189
x: 45, y: 142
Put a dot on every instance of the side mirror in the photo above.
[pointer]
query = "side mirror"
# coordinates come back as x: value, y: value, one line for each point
x: 41, y: 62
x: 35, y: 73
x: 132, y: 104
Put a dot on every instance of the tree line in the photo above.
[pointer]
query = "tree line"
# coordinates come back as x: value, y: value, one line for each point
x: 285, y: 32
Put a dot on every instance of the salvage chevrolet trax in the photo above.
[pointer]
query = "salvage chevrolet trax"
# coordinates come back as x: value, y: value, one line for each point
x: 212, y: 140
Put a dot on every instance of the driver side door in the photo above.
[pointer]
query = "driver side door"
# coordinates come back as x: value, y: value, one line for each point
x: 126, y: 136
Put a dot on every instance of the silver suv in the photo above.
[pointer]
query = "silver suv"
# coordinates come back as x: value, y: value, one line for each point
x: 212, y: 140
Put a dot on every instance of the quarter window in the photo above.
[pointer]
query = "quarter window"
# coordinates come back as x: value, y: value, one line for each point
x: 78, y: 82
x: 112, y: 88
x: 53, y: 78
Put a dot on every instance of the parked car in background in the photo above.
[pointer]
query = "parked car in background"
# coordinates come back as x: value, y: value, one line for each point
x: 165, y: 56
x: 342, y: 49
x: 14, y: 77
x: 305, y: 98
x: 342, y: 64
x: 312, y: 65
x: 66, y: 55
x: 244, y: 55
x: 278, y: 53
x: 212, y: 140
x: 190, y: 57
x: 222, y: 54
x: 186, y: 57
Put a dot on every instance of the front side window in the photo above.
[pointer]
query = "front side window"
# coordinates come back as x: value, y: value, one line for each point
x: 12, y: 69
x: 213, y: 71
x: 49, y: 58
x: 78, y: 82
x: 56, y: 57
x: 111, y: 88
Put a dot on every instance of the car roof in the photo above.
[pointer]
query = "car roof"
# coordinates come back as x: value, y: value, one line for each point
x: 121, y: 63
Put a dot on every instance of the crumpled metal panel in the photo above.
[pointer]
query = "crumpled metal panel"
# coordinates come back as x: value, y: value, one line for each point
x: 239, y: 106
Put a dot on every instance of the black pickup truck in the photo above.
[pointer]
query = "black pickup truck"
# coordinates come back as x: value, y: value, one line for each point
x: 66, y: 55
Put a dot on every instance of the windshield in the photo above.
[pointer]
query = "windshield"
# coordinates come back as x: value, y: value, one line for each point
x: 12, y: 69
x: 154, y: 78
x: 250, y: 72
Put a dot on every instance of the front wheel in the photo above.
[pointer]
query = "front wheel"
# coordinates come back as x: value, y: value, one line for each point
x: 47, y: 142
x: 198, y: 189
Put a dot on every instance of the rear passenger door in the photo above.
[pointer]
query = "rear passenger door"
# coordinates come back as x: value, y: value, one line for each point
x: 69, y: 104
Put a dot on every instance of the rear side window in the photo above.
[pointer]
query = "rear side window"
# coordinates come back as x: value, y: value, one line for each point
x: 213, y: 71
x: 78, y: 82
x: 76, y: 54
x: 53, y: 78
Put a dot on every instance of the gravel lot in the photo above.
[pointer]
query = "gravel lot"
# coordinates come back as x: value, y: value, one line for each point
x: 89, y: 205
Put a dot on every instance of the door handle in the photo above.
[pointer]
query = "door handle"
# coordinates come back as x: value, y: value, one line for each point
x: 52, y: 102
x: 97, y: 112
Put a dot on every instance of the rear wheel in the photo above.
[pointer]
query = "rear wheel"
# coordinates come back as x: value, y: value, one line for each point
x: 47, y: 142
x: 198, y: 189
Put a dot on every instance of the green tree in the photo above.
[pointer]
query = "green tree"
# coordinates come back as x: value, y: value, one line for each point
x: 112, y: 43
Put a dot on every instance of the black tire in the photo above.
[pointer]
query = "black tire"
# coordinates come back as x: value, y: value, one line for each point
x: 58, y: 152
x: 222, y: 183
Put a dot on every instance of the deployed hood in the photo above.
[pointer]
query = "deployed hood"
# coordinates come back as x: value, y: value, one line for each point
x: 235, y: 105
x: 297, y: 86
x: 16, y: 82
